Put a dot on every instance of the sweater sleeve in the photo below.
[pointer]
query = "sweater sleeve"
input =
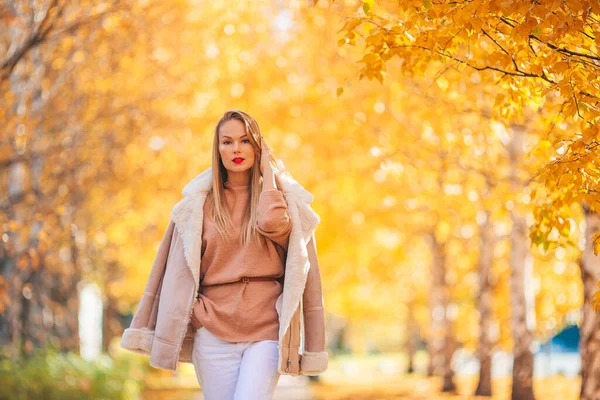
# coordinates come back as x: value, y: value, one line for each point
x: 274, y: 221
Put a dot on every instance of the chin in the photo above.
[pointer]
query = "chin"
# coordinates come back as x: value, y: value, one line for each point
x: 238, y: 168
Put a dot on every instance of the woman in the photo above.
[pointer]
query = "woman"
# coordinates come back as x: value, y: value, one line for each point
x: 237, y: 293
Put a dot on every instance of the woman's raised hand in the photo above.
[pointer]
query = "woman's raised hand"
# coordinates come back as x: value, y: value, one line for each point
x: 265, y: 156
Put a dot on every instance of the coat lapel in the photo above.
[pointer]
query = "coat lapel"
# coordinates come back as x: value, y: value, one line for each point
x: 188, y: 216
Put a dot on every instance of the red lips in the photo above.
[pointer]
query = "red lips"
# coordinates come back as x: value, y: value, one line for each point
x: 238, y: 160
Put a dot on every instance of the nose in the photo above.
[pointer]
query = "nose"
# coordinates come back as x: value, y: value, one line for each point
x: 236, y: 147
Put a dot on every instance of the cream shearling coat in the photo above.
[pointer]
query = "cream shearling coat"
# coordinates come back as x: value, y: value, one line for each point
x: 161, y: 326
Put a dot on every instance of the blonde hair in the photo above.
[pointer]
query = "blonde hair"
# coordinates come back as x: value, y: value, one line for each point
x: 217, y: 209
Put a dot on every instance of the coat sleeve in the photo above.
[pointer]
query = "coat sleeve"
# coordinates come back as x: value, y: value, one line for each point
x: 315, y: 356
x: 137, y: 337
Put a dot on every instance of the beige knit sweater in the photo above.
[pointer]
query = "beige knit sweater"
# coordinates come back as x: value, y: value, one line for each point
x: 243, y: 311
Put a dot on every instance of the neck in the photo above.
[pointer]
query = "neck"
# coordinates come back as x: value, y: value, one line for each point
x: 238, y: 178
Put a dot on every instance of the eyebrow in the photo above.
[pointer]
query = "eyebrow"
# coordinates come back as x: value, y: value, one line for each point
x: 229, y: 137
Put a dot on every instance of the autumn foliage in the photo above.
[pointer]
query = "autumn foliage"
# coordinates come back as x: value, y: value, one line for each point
x: 457, y: 184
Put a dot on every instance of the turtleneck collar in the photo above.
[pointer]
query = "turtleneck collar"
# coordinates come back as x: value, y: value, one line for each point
x: 232, y: 185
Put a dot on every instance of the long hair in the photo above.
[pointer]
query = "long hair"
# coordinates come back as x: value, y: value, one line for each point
x: 217, y: 209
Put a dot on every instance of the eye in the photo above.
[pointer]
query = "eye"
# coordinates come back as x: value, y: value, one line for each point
x: 226, y: 142
x: 246, y: 141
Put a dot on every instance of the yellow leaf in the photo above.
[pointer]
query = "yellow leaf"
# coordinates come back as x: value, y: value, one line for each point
x: 561, y: 67
x: 442, y: 83
x: 596, y: 301
x: 596, y: 240
x: 577, y: 146
x: 499, y: 99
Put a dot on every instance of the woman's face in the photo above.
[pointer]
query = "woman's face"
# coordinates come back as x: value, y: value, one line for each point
x: 235, y: 146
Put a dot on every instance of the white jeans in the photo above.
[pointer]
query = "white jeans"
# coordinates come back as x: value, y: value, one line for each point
x: 235, y: 371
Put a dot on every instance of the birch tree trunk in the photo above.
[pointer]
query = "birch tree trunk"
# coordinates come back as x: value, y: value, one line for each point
x: 589, y: 345
x: 11, y: 322
x: 412, y: 341
x: 441, y: 345
x: 521, y: 288
x: 484, y: 305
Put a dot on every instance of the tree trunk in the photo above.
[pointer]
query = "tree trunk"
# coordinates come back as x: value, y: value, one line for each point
x: 413, y: 338
x: 435, y: 342
x: 43, y: 299
x: 484, y: 304
x: 111, y: 324
x: 440, y: 345
x: 432, y: 358
x: 589, y: 345
x: 521, y: 288
x: 12, y: 323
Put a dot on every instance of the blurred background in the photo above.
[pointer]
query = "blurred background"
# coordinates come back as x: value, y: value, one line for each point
x: 451, y: 149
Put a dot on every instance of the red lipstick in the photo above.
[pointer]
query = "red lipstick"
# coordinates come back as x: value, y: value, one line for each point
x: 238, y: 160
